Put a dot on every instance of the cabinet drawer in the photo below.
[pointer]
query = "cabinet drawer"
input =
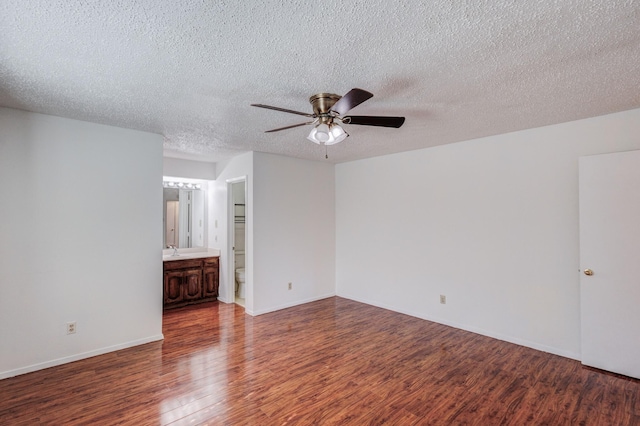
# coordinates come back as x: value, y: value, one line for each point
x: 182, y: 264
x: 211, y: 261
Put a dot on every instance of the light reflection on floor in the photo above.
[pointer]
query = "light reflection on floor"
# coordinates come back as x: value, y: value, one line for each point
x: 200, y: 380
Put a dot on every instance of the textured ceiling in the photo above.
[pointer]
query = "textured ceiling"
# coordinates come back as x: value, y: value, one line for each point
x: 189, y: 69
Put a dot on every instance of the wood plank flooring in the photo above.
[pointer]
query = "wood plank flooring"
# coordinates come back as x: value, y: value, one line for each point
x: 330, y: 362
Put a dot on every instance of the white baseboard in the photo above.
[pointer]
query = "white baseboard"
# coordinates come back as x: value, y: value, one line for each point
x: 78, y: 357
x: 288, y: 305
x: 504, y: 338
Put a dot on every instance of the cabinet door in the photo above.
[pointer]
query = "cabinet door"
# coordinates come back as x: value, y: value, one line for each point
x: 192, y: 284
x: 210, y: 282
x: 172, y: 287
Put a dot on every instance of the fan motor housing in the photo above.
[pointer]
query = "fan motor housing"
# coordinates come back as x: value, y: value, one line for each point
x: 322, y: 103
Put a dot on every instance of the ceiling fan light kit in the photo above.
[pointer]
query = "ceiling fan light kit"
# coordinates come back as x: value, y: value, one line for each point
x: 329, y: 110
x: 324, y: 134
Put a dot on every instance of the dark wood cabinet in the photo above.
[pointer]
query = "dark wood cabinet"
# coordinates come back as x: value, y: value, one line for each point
x: 190, y: 281
x: 173, y: 287
x: 210, y: 276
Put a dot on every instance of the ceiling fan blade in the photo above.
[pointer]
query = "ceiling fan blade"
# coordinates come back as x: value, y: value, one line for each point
x: 289, y: 127
x: 371, y: 120
x: 283, y: 110
x: 351, y: 100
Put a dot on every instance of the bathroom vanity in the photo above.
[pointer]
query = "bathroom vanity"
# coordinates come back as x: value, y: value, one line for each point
x: 190, y: 279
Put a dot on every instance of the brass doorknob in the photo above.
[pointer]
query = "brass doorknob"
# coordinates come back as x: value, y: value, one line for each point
x: 588, y: 272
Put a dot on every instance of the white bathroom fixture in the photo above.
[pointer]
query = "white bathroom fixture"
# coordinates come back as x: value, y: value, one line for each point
x: 240, y: 277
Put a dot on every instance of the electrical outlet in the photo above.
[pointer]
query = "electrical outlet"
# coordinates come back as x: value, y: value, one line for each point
x: 71, y: 327
x: 290, y: 286
x: 443, y: 299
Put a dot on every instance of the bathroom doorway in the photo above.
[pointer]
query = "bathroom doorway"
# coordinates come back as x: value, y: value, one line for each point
x: 238, y: 238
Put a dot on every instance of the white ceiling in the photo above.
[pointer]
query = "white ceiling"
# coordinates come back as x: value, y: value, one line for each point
x: 188, y: 70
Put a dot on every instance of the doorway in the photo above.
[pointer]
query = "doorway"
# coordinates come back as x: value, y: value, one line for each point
x: 237, y: 189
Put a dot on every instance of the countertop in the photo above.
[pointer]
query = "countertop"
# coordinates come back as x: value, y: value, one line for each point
x: 167, y: 255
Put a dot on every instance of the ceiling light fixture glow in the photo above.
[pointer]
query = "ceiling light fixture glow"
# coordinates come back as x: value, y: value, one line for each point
x: 324, y: 134
x: 181, y: 185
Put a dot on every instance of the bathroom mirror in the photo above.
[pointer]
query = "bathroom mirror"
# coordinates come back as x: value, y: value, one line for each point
x: 183, y: 217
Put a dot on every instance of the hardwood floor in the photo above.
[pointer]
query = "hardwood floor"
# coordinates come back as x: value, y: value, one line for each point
x: 334, y: 361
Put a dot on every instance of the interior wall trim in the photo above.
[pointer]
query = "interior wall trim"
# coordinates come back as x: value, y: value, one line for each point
x: 78, y: 357
x: 472, y: 329
x: 289, y: 305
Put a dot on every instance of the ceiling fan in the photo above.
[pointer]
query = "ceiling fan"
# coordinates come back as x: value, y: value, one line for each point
x: 328, y: 114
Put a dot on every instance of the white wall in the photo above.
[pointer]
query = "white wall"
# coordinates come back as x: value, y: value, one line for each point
x: 290, y: 226
x: 81, y: 217
x: 491, y: 223
x: 188, y: 168
x: 198, y: 218
x: 293, y: 232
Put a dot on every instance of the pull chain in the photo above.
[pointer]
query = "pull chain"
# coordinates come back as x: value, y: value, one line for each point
x: 326, y: 156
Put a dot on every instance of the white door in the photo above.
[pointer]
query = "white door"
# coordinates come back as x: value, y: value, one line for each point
x: 610, y: 250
